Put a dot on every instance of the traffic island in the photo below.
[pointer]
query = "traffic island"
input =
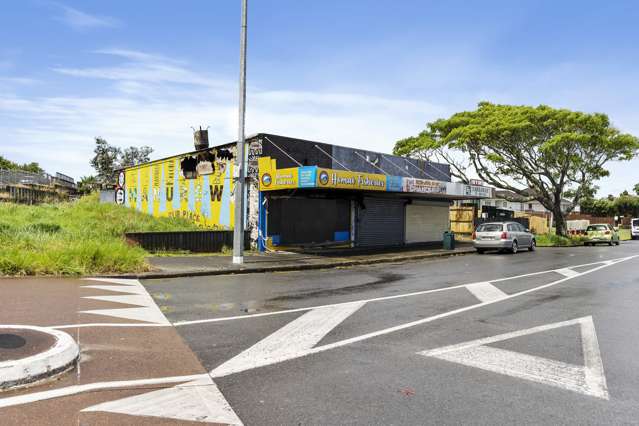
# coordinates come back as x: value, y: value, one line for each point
x: 30, y: 354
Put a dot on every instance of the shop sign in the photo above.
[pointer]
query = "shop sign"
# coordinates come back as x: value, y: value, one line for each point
x: 307, y: 176
x: 394, y: 183
x: 478, y: 191
x: 342, y: 179
x: 279, y: 179
x: 424, y: 186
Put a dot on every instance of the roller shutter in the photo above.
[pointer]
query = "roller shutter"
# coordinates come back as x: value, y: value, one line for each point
x: 380, y: 222
x: 426, y: 221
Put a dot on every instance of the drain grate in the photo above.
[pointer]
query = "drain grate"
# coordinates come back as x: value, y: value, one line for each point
x: 11, y: 341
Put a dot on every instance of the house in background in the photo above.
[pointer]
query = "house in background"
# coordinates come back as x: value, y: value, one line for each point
x: 508, y: 200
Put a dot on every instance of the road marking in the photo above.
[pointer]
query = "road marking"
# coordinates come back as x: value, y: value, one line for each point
x: 72, y: 390
x: 486, y: 292
x: 108, y: 324
x: 291, y: 341
x: 123, y: 281
x: 90, y: 387
x: 383, y: 298
x: 147, y: 311
x: 117, y: 288
x: 198, y: 401
x: 567, y: 272
x: 588, y: 379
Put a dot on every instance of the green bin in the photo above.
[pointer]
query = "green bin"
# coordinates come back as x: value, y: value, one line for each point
x: 449, y: 240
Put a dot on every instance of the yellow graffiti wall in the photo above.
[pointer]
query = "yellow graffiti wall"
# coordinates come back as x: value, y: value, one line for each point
x: 161, y: 189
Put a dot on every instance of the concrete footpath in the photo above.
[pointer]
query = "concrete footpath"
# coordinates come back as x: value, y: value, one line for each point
x: 198, y: 265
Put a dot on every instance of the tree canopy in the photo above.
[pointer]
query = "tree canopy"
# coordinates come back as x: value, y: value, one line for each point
x: 538, y: 152
x: 27, y: 167
x: 109, y: 158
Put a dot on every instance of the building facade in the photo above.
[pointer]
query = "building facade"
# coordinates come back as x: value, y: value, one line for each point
x: 303, y: 193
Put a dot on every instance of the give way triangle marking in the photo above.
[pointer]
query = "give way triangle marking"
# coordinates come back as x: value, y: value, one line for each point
x: 587, y: 379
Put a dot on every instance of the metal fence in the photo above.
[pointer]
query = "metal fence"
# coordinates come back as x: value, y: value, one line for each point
x: 194, y: 241
x: 19, y: 177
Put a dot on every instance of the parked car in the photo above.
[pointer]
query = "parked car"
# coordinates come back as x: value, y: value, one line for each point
x: 601, y: 233
x: 634, y: 228
x: 503, y: 236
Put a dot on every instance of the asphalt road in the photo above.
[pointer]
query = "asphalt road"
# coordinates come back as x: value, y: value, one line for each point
x: 287, y: 348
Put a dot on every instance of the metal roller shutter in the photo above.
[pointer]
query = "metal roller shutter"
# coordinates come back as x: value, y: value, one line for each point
x: 380, y: 222
x: 426, y: 222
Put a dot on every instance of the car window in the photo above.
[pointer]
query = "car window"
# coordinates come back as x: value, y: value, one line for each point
x: 635, y: 222
x: 490, y: 227
x: 512, y: 227
x: 597, y: 228
x: 521, y: 227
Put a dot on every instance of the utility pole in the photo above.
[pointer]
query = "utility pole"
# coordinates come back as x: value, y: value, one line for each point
x: 238, y: 230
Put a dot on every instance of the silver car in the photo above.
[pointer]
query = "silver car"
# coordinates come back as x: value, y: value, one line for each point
x: 503, y: 236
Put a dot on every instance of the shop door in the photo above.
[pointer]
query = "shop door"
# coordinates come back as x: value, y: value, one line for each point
x: 426, y: 222
x: 380, y: 222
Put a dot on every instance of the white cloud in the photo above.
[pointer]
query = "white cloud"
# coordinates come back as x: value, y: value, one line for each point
x: 149, y: 99
x: 79, y: 20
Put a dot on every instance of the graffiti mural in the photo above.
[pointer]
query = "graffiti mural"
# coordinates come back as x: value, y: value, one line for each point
x: 198, y: 186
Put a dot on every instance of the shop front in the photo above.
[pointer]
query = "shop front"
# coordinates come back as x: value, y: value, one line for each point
x: 316, y: 206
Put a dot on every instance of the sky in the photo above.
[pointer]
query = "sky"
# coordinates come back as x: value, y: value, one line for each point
x: 359, y: 73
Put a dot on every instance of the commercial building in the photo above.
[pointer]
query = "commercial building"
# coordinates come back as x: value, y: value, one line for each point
x: 303, y: 193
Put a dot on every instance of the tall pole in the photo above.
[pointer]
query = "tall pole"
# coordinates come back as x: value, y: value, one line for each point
x: 238, y: 230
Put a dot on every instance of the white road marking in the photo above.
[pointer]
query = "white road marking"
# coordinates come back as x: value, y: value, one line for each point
x: 90, y: 387
x: 588, y: 379
x: 117, y: 288
x: 148, y: 310
x: 291, y: 341
x: 108, y: 324
x: 380, y: 299
x: 72, y: 390
x: 567, y: 272
x: 123, y: 281
x: 129, y: 299
x: 198, y: 401
x: 486, y: 292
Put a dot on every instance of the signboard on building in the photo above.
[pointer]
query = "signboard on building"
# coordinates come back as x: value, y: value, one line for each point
x: 424, y: 186
x: 344, y: 179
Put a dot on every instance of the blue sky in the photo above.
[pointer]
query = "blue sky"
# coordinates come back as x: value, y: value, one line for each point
x: 356, y: 73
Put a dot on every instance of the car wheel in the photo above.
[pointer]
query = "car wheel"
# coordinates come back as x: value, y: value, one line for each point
x: 533, y: 246
x: 617, y: 243
x: 515, y: 248
x: 480, y: 251
x: 610, y: 243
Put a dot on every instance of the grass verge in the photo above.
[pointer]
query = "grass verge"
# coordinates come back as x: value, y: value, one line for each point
x: 552, y: 240
x: 75, y: 238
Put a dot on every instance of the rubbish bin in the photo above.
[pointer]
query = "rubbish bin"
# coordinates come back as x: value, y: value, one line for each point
x: 449, y: 240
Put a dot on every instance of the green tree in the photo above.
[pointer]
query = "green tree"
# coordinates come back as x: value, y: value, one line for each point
x: 636, y: 189
x: 108, y: 158
x: 87, y: 184
x: 538, y: 152
x: 133, y: 156
x: 27, y: 167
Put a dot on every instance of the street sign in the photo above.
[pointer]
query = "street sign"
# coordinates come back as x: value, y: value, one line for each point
x: 119, y: 196
x: 121, y: 179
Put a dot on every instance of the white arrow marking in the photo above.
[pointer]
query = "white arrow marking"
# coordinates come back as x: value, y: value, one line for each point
x: 122, y: 281
x: 148, y: 310
x: 118, y: 288
x: 486, y: 292
x: 197, y: 401
x: 588, y: 379
x: 567, y: 272
x: 293, y: 340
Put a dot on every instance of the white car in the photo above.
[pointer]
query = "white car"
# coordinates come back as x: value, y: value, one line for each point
x: 634, y: 228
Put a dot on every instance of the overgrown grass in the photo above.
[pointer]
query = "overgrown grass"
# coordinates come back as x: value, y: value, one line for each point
x: 552, y: 240
x: 81, y: 237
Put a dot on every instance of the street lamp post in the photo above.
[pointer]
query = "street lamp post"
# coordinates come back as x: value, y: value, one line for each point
x: 238, y: 230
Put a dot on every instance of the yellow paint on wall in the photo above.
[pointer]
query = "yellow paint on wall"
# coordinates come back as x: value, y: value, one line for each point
x: 160, y: 189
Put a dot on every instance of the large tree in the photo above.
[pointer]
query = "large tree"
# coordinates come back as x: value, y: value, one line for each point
x: 543, y: 153
x: 109, y: 158
x: 27, y: 167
